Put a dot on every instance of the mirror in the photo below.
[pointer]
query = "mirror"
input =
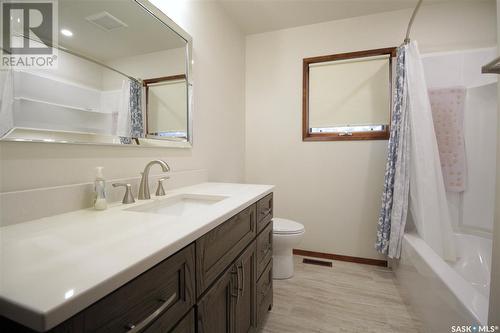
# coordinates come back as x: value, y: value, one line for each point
x: 122, y: 75
x: 348, y: 96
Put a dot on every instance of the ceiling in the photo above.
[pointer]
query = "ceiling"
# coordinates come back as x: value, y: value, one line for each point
x: 143, y: 33
x: 256, y: 16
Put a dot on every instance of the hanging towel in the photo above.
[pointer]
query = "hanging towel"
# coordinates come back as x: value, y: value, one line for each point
x: 448, y: 115
x: 6, y: 101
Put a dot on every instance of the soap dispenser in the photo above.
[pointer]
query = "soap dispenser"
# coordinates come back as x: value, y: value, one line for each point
x: 100, y: 202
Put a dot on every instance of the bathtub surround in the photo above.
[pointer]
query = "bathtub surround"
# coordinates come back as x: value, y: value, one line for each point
x: 494, y: 311
x: 471, y: 211
x: 392, y: 219
x: 350, y: 174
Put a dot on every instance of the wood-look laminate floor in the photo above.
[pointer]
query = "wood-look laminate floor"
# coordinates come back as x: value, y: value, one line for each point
x: 345, y: 298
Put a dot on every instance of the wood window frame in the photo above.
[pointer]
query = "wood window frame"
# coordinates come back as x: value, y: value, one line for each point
x: 378, y: 135
x: 147, y: 82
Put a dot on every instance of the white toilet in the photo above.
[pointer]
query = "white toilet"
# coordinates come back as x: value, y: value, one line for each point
x: 287, y: 234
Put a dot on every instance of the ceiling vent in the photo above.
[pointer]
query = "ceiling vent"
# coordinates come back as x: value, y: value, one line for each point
x: 106, y: 21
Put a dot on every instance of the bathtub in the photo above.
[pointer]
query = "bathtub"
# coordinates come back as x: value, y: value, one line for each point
x: 443, y: 294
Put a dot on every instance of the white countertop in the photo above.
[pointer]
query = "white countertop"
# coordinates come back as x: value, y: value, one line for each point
x: 54, y: 267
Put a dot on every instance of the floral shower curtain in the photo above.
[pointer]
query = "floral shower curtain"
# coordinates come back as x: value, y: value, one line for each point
x: 135, y: 107
x: 394, y: 209
x: 130, y: 123
x: 413, y: 177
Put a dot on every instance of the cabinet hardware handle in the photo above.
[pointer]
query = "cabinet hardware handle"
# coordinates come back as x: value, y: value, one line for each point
x: 237, y: 272
x: 242, y: 279
x: 240, y: 287
x: 152, y: 317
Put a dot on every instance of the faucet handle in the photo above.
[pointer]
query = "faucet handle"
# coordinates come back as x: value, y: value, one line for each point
x: 160, y: 191
x: 128, y: 198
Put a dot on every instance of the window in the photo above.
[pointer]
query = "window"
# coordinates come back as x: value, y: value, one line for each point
x: 347, y: 96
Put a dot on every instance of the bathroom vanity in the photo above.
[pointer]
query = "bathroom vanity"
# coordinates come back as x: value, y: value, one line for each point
x: 196, y: 260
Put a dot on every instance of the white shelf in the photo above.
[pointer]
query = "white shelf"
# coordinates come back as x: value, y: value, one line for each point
x: 33, y: 100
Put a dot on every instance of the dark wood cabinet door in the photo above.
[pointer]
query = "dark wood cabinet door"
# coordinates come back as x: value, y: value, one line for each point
x: 215, y: 310
x: 245, y: 317
x: 187, y: 324
x: 264, y: 293
x: 217, y: 249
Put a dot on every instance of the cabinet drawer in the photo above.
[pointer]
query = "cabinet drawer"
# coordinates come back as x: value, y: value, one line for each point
x: 165, y: 291
x: 264, y: 212
x: 217, y: 249
x: 264, y: 248
x: 162, y: 325
x: 264, y: 293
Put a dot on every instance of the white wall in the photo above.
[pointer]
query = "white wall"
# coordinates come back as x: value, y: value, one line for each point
x: 334, y: 188
x: 218, y: 118
x: 146, y: 66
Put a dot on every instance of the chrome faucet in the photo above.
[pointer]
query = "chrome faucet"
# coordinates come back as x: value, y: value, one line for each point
x: 144, y: 187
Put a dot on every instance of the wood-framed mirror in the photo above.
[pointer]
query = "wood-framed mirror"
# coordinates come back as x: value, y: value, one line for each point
x: 348, y: 96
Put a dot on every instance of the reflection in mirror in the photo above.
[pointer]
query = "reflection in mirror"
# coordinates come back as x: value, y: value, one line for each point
x: 166, y: 107
x: 101, y: 92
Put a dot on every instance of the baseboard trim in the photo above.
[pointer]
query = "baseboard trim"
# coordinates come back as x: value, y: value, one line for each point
x: 331, y: 256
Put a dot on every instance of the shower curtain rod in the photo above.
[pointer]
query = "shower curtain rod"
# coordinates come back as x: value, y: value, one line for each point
x: 407, y: 38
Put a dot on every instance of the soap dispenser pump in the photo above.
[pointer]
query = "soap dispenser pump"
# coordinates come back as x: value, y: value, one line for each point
x: 100, y: 202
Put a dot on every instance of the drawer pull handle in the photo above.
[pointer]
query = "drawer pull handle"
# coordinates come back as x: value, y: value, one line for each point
x: 131, y: 328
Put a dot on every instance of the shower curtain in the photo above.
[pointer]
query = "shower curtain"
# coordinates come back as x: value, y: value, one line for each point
x: 130, y: 123
x: 413, y: 176
x: 6, y: 101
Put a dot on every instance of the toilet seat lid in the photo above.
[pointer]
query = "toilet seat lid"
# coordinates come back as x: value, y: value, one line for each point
x: 284, y: 226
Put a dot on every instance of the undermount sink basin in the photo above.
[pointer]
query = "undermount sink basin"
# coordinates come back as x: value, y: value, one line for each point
x: 179, y: 205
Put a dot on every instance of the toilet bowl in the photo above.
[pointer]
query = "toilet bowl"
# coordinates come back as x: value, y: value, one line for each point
x: 287, y: 234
